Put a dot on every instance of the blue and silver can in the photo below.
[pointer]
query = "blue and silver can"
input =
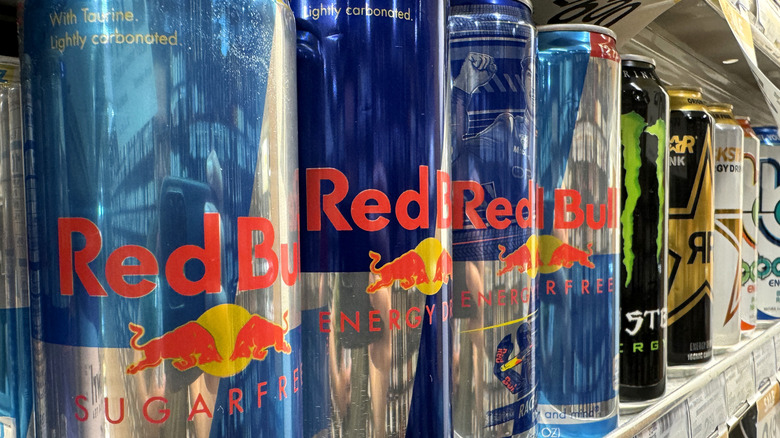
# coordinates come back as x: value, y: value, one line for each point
x: 578, y: 123
x: 375, y: 217
x: 161, y: 165
x: 16, y: 386
x: 492, y: 65
x: 768, y: 264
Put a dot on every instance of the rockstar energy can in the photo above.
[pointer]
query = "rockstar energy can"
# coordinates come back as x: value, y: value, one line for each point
x: 163, y: 208
x: 691, y: 227
x: 750, y: 186
x: 727, y: 241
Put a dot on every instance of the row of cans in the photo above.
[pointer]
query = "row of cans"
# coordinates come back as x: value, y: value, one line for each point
x: 255, y: 218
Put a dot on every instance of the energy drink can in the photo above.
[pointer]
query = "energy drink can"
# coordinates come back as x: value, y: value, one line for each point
x: 578, y: 165
x: 163, y: 204
x: 492, y: 50
x: 750, y: 184
x: 643, y: 287
x: 16, y: 387
x: 691, y: 227
x: 376, y: 217
x: 768, y: 265
x: 727, y: 245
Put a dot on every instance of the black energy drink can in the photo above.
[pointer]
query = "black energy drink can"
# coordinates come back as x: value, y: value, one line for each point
x: 492, y: 64
x: 161, y: 170
x: 691, y: 227
x: 375, y: 217
x: 643, y: 288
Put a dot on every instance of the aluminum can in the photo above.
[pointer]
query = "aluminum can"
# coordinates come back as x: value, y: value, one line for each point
x: 492, y: 64
x: 691, y: 227
x: 162, y: 203
x: 643, y: 288
x: 16, y: 386
x: 768, y: 264
x: 727, y: 241
x: 578, y: 165
x: 750, y: 185
x: 375, y: 218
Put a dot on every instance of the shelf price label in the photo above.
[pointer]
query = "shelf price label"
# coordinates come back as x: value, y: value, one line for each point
x: 767, y: 424
x: 673, y: 424
x: 765, y: 364
x: 707, y: 408
x: 739, y: 383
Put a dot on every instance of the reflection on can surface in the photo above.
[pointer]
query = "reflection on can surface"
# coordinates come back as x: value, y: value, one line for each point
x: 578, y: 95
x: 162, y: 200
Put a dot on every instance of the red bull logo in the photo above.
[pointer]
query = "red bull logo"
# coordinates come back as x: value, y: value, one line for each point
x: 131, y: 261
x: 426, y: 267
x: 530, y: 257
x: 221, y: 342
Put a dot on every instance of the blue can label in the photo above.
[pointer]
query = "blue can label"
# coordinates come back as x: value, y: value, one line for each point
x: 578, y: 244
x: 164, y: 266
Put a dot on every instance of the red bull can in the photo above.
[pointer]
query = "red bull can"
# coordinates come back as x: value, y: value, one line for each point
x: 691, y: 228
x: 768, y: 264
x: 727, y: 240
x: 163, y: 208
x: 16, y: 386
x: 750, y: 185
x: 375, y: 218
x: 578, y: 247
x: 492, y: 52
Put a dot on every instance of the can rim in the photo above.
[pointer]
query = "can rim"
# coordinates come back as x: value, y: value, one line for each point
x: 527, y: 3
x: 690, y: 88
x: 720, y: 106
x: 745, y: 118
x: 639, y: 58
x: 577, y: 27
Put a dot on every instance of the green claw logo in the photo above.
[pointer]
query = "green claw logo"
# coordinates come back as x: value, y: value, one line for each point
x: 632, y: 127
x: 748, y: 272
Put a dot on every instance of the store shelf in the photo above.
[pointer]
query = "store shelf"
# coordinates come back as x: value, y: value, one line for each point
x: 689, y: 43
x: 731, y: 379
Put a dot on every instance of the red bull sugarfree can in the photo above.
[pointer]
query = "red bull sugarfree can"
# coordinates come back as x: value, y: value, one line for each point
x: 375, y: 218
x: 163, y: 208
x: 578, y: 247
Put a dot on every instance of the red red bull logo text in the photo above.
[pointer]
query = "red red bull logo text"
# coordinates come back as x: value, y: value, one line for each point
x: 569, y: 212
x: 133, y: 260
x: 371, y: 209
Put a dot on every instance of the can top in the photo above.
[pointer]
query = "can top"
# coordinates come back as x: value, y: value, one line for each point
x: 744, y: 122
x: 686, y: 98
x: 722, y: 112
x: 577, y: 28
x: 527, y: 3
x: 637, y: 58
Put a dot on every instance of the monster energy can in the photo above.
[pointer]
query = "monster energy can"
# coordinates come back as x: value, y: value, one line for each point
x: 691, y: 226
x: 727, y: 247
x: 492, y: 56
x: 643, y: 286
x: 750, y: 178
